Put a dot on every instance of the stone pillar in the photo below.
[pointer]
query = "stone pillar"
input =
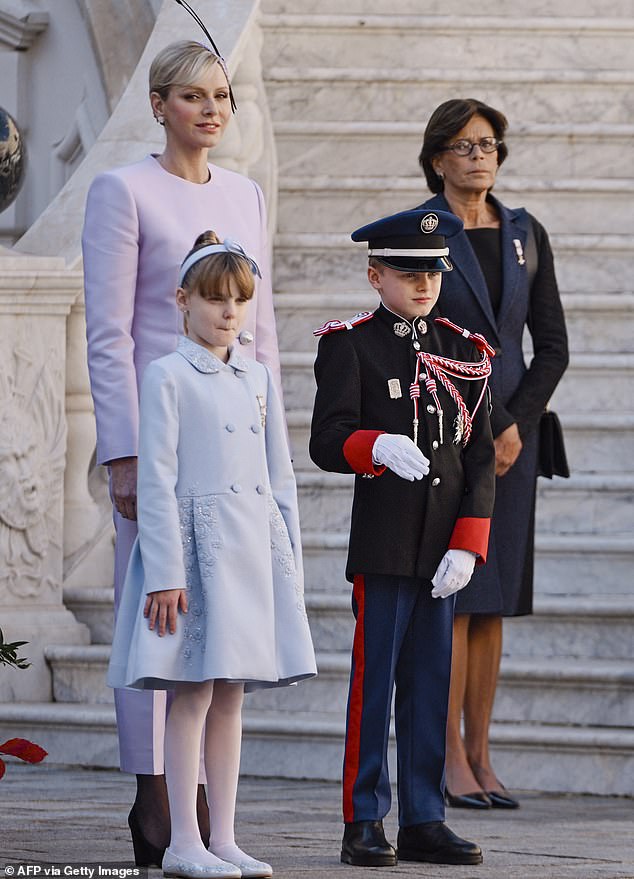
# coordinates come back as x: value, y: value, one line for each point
x: 36, y: 296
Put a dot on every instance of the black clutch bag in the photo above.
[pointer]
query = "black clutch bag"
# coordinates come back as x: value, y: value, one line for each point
x: 551, y: 458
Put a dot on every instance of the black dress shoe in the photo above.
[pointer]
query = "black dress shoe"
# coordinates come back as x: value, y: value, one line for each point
x: 477, y: 800
x: 502, y: 800
x: 435, y: 843
x: 364, y: 845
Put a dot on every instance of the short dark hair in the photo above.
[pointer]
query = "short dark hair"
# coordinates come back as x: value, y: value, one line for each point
x: 445, y: 122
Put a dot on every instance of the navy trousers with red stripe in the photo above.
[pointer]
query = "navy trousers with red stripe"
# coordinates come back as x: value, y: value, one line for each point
x: 402, y: 643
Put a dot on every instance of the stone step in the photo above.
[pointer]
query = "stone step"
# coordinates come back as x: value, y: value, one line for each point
x: 599, y: 441
x: 573, y: 626
x: 592, y: 380
x: 79, y: 674
x: 365, y: 148
x: 565, y: 8
x: 599, y: 503
x: 94, y: 607
x: 596, y: 503
x: 553, y: 690
x: 549, y: 758
x: 331, y: 263
x: 565, y: 564
x: 595, y: 381
x: 72, y: 733
x: 361, y: 94
x: 599, y: 692
x: 549, y: 691
x: 348, y: 40
x: 595, y: 441
x: 310, y: 745
x: 341, y: 204
x: 595, y: 321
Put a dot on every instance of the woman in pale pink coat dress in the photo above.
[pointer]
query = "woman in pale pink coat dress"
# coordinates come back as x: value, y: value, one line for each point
x: 140, y: 220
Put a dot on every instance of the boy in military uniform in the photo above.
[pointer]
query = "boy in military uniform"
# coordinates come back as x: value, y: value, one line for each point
x: 401, y: 403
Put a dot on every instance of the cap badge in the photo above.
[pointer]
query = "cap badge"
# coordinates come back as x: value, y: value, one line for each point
x: 429, y: 223
x: 401, y: 329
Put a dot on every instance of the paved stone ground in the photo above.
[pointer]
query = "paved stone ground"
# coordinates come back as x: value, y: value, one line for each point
x: 67, y: 815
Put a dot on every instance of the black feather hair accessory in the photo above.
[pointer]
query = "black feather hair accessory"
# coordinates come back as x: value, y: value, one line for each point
x: 223, y: 63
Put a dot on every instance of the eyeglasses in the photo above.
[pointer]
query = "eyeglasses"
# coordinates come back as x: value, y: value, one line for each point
x: 465, y: 147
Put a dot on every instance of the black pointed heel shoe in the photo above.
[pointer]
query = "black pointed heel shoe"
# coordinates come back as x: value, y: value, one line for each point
x: 502, y: 800
x: 476, y: 800
x: 146, y: 854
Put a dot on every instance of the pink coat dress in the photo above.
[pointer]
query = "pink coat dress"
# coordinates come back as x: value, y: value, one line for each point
x: 140, y: 223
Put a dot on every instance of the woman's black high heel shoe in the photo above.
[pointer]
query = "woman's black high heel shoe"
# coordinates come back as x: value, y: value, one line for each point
x: 501, y: 800
x: 477, y: 800
x: 145, y: 853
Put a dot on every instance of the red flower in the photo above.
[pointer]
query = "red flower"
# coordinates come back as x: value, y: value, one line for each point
x: 24, y: 750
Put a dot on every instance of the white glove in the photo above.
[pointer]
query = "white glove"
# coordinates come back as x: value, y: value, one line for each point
x: 454, y: 572
x: 400, y: 454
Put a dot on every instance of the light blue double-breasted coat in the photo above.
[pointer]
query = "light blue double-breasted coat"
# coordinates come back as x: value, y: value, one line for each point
x: 218, y: 516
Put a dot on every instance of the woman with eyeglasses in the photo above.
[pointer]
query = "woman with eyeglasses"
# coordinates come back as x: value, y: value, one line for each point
x: 503, y: 282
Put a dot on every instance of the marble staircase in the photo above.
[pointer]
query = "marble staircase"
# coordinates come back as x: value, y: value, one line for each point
x: 349, y: 96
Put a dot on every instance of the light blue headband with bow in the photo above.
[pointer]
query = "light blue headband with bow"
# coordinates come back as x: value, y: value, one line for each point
x: 227, y: 246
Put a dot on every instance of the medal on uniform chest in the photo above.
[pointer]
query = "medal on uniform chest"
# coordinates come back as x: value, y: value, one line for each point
x: 458, y: 428
x: 394, y: 388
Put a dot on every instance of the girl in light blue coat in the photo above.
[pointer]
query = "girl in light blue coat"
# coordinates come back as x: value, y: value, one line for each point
x: 213, y: 600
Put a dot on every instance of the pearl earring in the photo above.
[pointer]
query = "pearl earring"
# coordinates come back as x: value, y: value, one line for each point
x: 160, y: 120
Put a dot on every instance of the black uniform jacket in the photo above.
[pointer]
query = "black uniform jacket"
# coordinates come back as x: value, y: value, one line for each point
x: 398, y: 527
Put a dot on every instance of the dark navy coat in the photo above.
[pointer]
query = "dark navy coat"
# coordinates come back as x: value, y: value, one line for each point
x: 402, y: 528
x: 519, y: 392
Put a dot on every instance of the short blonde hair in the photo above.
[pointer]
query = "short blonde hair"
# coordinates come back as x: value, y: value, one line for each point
x: 180, y: 64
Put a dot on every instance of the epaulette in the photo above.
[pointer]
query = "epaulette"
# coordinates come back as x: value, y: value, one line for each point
x: 332, y: 325
x: 477, y: 338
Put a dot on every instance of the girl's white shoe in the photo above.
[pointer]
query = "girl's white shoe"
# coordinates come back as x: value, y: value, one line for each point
x: 173, y: 865
x: 249, y: 867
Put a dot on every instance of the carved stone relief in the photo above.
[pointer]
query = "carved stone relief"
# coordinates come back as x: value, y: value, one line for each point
x: 32, y: 446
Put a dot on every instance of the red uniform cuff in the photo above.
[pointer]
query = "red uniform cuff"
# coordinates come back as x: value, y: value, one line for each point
x: 472, y: 534
x: 357, y: 451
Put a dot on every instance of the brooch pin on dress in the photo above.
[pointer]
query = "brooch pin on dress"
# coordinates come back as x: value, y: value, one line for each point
x: 262, y: 405
x: 519, y: 252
